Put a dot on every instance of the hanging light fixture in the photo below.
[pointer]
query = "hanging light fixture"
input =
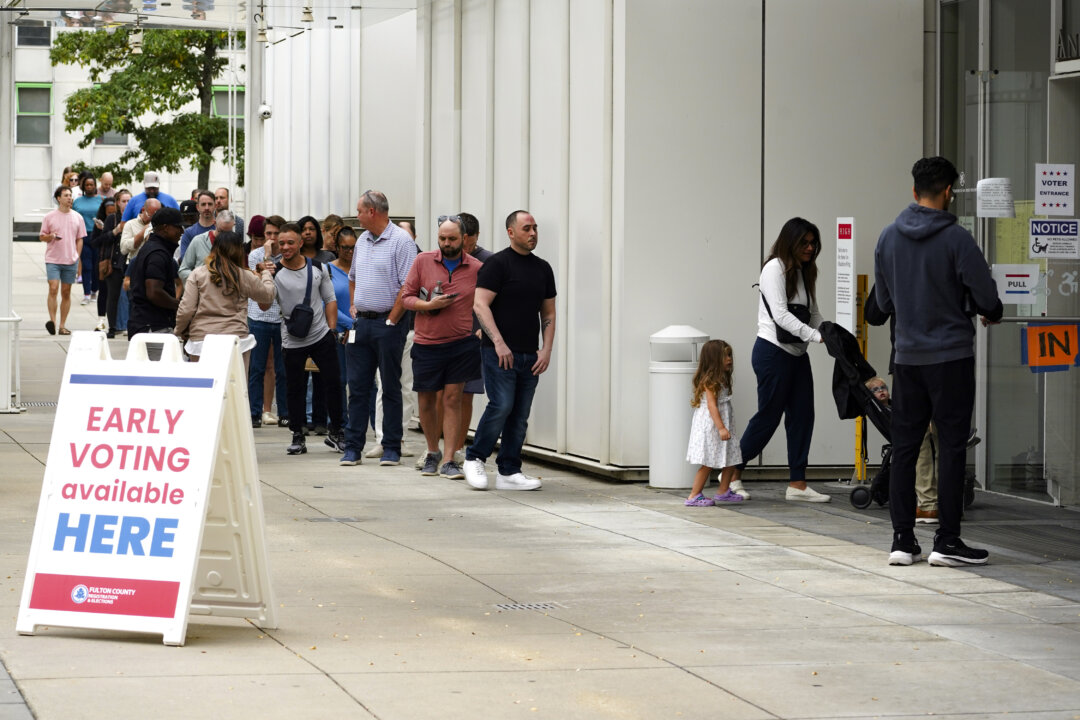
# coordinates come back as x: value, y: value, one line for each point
x: 307, y: 16
x: 261, y: 35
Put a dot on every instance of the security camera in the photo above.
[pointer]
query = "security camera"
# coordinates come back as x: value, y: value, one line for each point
x: 265, y: 112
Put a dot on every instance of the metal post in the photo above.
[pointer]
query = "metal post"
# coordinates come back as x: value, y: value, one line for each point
x: 9, y: 321
x: 863, y: 337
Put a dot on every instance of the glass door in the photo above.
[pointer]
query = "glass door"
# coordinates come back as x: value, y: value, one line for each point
x: 997, y: 119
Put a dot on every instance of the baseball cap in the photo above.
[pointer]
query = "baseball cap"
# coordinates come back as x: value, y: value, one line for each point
x: 151, y: 179
x: 167, y: 216
x: 188, y: 207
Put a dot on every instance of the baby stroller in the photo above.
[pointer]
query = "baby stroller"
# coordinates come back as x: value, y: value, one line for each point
x: 854, y: 399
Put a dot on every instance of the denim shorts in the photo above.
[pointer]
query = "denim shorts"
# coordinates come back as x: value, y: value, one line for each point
x: 64, y: 273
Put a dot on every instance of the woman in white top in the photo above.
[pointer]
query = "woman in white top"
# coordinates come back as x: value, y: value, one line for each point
x: 785, y: 384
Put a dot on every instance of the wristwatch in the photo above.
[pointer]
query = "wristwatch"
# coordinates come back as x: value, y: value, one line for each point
x: 390, y: 323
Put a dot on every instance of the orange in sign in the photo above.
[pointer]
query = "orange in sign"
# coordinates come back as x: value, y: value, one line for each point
x: 1049, y: 345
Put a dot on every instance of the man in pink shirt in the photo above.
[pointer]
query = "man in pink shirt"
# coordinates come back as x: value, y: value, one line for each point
x: 440, y: 287
x: 63, y: 232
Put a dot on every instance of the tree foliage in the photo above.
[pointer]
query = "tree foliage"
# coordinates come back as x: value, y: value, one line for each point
x: 144, y: 96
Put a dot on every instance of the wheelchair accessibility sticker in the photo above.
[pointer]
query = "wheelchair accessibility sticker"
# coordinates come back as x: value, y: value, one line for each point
x: 1054, y: 239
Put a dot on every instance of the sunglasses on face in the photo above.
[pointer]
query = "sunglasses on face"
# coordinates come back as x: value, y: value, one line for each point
x: 879, y: 389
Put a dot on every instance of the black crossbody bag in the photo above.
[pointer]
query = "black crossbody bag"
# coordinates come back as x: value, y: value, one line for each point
x: 299, y: 321
x: 802, y: 312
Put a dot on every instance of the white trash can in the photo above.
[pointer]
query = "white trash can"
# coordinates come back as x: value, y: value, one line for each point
x: 673, y: 358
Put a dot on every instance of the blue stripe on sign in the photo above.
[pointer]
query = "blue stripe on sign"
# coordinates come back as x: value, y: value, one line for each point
x: 1016, y: 292
x: 141, y: 381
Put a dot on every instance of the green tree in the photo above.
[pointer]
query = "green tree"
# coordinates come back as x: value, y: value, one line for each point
x: 175, y: 67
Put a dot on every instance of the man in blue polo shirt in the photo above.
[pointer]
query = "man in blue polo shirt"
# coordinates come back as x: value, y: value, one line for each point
x: 151, y: 189
x: 382, y: 259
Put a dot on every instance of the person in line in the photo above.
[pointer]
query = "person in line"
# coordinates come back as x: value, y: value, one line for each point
x: 200, y: 247
x: 785, y: 383
x: 103, y: 265
x: 204, y: 204
x: 221, y: 202
x: 345, y: 242
x: 155, y: 282
x: 330, y: 227
x: 927, y: 269
x: 266, y: 375
x: 105, y: 185
x: 112, y: 286
x: 63, y: 231
x: 473, y: 387
x: 312, y: 239
x: 151, y: 189
x: 441, y: 287
x: 515, y: 304
x: 713, y: 441
x: 316, y: 342
x: 88, y: 205
x: 383, y: 257
x: 216, y: 295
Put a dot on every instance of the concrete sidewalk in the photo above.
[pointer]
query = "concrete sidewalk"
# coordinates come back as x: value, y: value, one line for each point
x: 404, y: 598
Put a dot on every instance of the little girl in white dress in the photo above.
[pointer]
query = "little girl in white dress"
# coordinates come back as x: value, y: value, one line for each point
x: 713, y: 443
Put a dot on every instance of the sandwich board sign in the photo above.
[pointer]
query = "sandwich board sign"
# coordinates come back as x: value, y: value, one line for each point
x: 151, y: 507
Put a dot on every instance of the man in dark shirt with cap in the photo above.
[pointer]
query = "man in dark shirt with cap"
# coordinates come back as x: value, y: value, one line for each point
x: 153, y: 279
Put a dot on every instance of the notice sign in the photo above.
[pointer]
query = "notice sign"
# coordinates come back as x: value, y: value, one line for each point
x: 1054, y: 239
x: 845, y: 273
x: 994, y: 198
x: 1049, y: 348
x: 1016, y: 283
x: 1054, y: 189
x: 127, y: 482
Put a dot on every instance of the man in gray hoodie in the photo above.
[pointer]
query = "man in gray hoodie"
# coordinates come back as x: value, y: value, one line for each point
x: 932, y: 276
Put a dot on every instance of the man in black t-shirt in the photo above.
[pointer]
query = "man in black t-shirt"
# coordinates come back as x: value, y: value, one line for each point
x: 153, y: 279
x: 515, y: 302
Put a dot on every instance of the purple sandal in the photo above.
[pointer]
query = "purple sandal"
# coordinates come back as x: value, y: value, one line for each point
x: 728, y: 497
x: 698, y: 501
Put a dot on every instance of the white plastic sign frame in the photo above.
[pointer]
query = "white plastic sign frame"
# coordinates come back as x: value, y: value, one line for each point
x: 845, y: 273
x: 150, y: 481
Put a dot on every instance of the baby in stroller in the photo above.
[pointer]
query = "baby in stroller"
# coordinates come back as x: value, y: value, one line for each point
x: 859, y: 391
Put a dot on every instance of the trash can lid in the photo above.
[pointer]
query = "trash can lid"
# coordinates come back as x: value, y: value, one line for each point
x: 679, y: 334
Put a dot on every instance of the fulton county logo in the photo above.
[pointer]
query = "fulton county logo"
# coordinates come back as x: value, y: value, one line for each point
x: 79, y: 594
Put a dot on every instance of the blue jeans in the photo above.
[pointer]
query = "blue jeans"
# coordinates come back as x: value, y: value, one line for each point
x: 267, y: 335
x: 376, y: 346
x: 89, y: 268
x: 510, y: 395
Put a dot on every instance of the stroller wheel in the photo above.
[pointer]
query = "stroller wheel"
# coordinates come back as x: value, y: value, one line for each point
x: 860, y: 497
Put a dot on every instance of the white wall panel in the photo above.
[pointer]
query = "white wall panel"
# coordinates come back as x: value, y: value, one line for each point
x: 843, y: 124
x: 692, y: 145
x: 511, y: 144
x: 477, y: 70
x: 444, y: 192
x: 586, y: 315
x: 549, y: 140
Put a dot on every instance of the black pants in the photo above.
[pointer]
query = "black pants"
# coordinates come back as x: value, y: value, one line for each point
x: 324, y: 353
x: 109, y: 296
x: 944, y: 393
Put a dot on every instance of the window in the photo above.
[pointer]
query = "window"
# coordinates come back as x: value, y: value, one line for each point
x: 33, y: 36
x: 221, y: 107
x: 33, y: 113
x: 112, y: 138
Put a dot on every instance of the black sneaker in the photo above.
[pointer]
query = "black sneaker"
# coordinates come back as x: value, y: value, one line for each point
x: 954, y: 553
x: 298, y: 446
x: 905, y: 550
x: 283, y: 421
x: 256, y: 422
x: 319, y: 430
x: 335, y: 440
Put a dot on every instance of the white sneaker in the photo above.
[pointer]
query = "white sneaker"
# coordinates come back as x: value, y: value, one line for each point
x: 374, y: 452
x: 459, y: 457
x: 807, y: 495
x: 737, y: 488
x: 517, y: 481
x: 406, y: 452
x: 476, y: 475
x: 100, y: 327
x: 85, y: 300
x: 269, y: 418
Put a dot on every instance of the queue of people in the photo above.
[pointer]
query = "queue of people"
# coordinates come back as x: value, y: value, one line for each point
x: 326, y: 322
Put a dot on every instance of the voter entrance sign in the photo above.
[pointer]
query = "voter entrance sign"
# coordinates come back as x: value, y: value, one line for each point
x: 151, y: 507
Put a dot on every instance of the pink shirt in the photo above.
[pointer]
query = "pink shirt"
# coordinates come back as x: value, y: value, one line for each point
x: 68, y: 227
x: 453, y: 322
